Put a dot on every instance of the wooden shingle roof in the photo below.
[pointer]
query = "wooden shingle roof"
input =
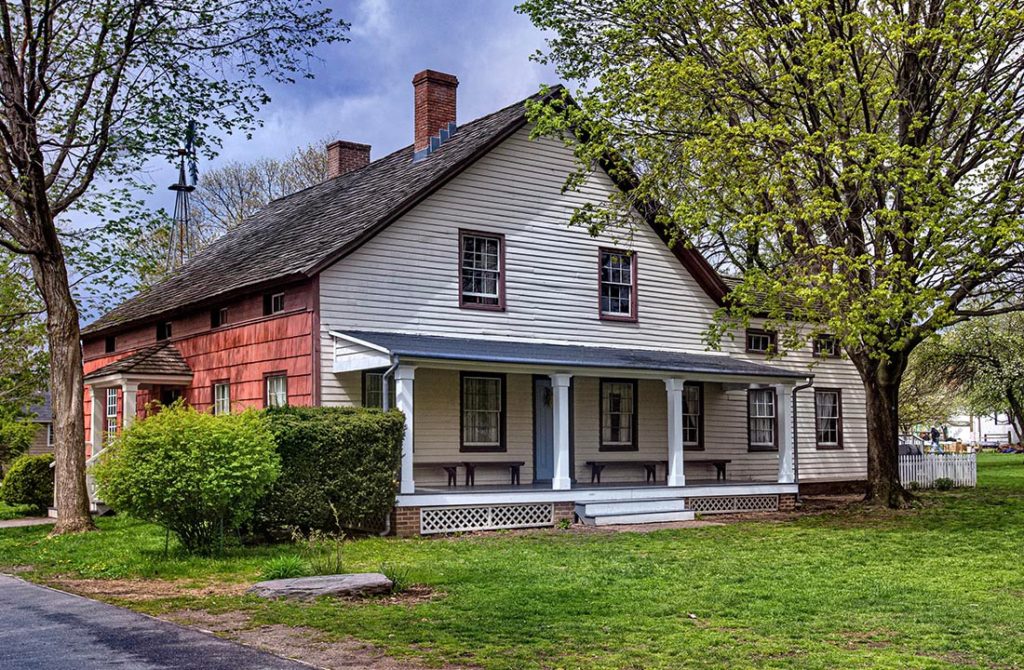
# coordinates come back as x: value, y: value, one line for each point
x: 296, y: 236
x: 159, y: 359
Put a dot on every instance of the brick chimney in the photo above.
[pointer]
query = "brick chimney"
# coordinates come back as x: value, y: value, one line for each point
x: 343, y: 157
x: 435, y: 106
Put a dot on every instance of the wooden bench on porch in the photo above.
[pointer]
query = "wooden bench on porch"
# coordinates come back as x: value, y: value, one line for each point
x: 719, y: 464
x: 650, y: 468
x: 452, y: 469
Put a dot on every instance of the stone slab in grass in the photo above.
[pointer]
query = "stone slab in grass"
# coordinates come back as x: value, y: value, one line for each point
x: 363, y: 584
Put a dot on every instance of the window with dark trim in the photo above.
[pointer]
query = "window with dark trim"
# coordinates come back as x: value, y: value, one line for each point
x: 481, y: 270
x: 273, y: 303
x: 761, y: 341
x: 762, y: 420
x: 373, y: 390
x: 218, y: 317
x: 482, y: 410
x: 109, y: 344
x: 826, y: 346
x: 617, y: 285
x: 221, y: 392
x: 275, y: 385
x: 693, y: 416
x: 163, y: 330
x: 49, y: 434
x: 828, y: 418
x: 618, y: 415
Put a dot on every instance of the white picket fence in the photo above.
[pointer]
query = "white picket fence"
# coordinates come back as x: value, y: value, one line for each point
x: 926, y: 468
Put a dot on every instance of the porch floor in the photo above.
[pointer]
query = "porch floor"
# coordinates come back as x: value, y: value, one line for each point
x: 583, y: 486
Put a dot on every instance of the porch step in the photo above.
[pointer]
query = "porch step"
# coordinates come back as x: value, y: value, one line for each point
x: 633, y: 511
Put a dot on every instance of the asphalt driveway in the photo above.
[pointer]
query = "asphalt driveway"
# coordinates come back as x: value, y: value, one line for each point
x: 44, y: 629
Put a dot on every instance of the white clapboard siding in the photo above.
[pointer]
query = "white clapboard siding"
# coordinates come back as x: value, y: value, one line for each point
x: 926, y: 468
x: 405, y: 280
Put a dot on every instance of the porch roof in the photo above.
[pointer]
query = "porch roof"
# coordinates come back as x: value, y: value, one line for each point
x: 434, y: 347
x: 157, y: 360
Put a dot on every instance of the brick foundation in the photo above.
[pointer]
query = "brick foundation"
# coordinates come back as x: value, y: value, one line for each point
x: 565, y: 510
x: 405, y: 521
x: 787, y: 502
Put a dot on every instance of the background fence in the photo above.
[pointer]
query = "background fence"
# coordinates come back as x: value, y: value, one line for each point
x: 926, y: 468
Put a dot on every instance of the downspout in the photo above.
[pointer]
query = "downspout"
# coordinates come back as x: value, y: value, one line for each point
x: 796, y: 436
x: 385, y: 388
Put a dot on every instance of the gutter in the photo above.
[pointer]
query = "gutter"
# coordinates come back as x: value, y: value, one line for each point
x: 385, y: 385
x: 796, y: 436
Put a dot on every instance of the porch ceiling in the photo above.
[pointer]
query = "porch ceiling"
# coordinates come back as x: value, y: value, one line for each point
x: 568, y: 356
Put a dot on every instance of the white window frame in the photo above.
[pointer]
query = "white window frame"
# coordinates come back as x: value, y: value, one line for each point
x: 221, y: 398
x: 480, y: 274
x: 607, y: 386
x: 760, y: 410
x: 496, y: 411
x: 276, y: 397
x: 110, y: 412
x: 694, y: 425
x: 819, y: 419
x: 373, y: 390
x: 276, y: 303
x: 770, y: 338
x: 49, y: 434
x: 614, y: 265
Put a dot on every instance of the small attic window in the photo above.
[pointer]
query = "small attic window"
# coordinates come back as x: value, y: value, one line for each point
x: 273, y: 303
x: 218, y: 317
x: 109, y: 344
x: 163, y: 330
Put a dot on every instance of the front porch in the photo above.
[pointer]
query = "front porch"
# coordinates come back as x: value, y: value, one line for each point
x: 548, y: 427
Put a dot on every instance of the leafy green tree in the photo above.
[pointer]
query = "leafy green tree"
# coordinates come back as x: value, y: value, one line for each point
x: 23, y: 358
x: 16, y: 435
x: 984, y: 361
x: 89, y: 90
x: 857, y: 162
x: 927, y: 398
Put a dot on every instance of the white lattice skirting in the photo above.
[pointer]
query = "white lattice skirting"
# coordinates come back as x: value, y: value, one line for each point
x: 732, y: 504
x: 485, y: 517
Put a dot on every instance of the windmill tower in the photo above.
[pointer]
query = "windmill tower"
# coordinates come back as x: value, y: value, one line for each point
x: 181, y: 240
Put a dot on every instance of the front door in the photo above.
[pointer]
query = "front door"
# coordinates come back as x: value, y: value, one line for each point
x: 543, y: 431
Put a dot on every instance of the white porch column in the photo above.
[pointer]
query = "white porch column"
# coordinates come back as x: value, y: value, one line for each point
x: 404, y: 376
x: 562, y: 479
x: 128, y: 402
x: 786, y: 446
x: 674, y: 391
x: 97, y: 406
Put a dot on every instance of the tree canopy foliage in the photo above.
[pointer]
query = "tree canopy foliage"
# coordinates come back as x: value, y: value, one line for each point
x: 857, y: 162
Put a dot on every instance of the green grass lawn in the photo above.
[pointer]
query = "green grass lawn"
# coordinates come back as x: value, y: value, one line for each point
x: 8, y: 512
x: 941, y: 586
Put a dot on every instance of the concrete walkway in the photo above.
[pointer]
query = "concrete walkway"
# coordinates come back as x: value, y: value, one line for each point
x: 44, y: 629
x: 27, y: 521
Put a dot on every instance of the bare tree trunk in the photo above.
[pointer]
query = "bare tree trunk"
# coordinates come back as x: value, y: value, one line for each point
x: 1016, y: 414
x: 66, y: 386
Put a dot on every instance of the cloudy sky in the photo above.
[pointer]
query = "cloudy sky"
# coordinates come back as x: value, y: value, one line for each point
x: 363, y: 88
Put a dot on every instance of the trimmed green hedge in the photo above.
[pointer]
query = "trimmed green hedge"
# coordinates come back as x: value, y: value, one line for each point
x: 334, y: 461
x: 29, y: 481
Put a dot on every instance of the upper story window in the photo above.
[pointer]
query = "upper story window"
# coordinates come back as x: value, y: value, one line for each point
x: 276, y: 390
x: 273, y: 303
x: 49, y: 434
x: 481, y: 270
x: 483, y: 411
x: 163, y: 330
x: 221, y: 397
x: 109, y: 344
x: 828, y: 418
x: 373, y: 390
x: 761, y: 341
x: 826, y: 346
x: 693, y: 416
x: 111, y: 411
x: 618, y: 415
x: 762, y: 420
x: 617, y: 285
x: 218, y: 317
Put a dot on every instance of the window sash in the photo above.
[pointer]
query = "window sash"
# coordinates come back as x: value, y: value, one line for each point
x: 481, y: 411
x: 222, y: 398
x: 691, y: 415
x: 49, y: 434
x: 480, y: 269
x: 373, y: 390
x: 827, y: 412
x: 762, y: 417
x: 618, y: 414
x: 617, y: 281
x: 760, y: 341
x: 277, y: 390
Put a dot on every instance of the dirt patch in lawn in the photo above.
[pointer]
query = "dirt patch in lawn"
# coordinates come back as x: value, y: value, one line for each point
x: 296, y: 642
x: 144, y: 589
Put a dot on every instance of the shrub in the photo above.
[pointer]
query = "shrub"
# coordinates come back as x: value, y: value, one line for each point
x: 943, y: 484
x: 8, y: 512
x: 16, y: 435
x: 338, y: 469
x: 29, y: 481
x: 196, y: 474
x: 284, y: 567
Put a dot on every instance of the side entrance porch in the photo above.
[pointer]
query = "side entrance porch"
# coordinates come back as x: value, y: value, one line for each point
x: 515, y: 434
